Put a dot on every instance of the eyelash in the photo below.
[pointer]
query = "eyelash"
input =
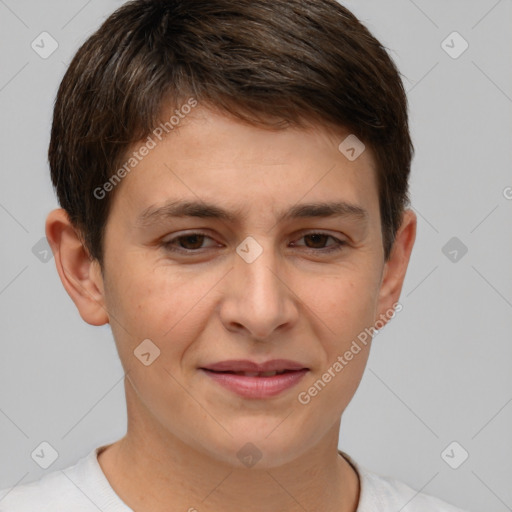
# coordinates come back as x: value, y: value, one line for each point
x: 337, y: 246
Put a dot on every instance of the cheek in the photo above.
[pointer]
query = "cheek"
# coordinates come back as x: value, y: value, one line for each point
x: 161, y: 305
x: 343, y: 313
x: 344, y: 305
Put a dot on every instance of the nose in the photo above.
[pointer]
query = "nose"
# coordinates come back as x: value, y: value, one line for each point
x: 258, y: 297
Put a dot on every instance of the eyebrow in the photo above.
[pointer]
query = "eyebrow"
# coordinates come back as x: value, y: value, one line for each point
x: 201, y: 209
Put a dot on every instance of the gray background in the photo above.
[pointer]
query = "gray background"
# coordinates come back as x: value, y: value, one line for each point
x: 438, y: 373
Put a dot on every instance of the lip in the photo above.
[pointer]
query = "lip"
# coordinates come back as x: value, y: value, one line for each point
x: 244, y: 365
x: 254, y: 386
x: 257, y: 387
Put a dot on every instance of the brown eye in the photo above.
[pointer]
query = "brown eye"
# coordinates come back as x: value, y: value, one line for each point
x: 317, y: 239
x: 317, y: 243
x: 191, y: 242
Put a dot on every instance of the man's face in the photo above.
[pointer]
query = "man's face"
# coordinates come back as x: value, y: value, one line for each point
x: 207, y: 289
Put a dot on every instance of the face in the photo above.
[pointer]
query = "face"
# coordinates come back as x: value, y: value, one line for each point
x: 261, y: 282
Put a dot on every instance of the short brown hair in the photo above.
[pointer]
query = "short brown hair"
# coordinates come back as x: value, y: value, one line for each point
x: 272, y: 63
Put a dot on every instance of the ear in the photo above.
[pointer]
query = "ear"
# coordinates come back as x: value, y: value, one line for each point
x: 395, y: 268
x: 79, y: 273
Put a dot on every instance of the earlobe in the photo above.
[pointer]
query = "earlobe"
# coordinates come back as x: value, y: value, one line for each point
x: 396, y: 267
x: 80, y: 274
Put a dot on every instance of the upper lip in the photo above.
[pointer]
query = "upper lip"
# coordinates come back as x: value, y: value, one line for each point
x: 244, y: 365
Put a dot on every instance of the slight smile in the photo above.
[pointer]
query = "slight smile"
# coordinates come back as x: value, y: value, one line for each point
x: 256, y: 380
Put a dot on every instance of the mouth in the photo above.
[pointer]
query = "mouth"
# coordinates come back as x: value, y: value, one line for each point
x: 271, y: 367
x: 254, y: 380
x: 252, y: 374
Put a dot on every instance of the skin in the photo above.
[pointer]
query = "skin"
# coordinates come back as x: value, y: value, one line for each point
x: 184, y: 430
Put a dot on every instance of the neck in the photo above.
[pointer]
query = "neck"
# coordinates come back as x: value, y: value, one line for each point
x: 150, y: 469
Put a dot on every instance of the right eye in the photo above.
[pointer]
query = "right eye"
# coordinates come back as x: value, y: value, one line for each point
x: 195, y: 240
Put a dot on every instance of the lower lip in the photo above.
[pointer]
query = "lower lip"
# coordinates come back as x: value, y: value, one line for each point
x: 257, y: 387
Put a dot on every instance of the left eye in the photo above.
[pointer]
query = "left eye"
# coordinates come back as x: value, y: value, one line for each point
x: 192, y: 242
x: 320, y: 238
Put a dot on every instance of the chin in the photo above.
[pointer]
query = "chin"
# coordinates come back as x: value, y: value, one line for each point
x: 253, y: 450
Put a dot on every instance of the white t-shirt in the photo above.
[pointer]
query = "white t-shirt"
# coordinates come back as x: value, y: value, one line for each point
x: 84, y: 487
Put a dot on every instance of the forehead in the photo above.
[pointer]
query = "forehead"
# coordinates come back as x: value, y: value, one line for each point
x: 215, y: 158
